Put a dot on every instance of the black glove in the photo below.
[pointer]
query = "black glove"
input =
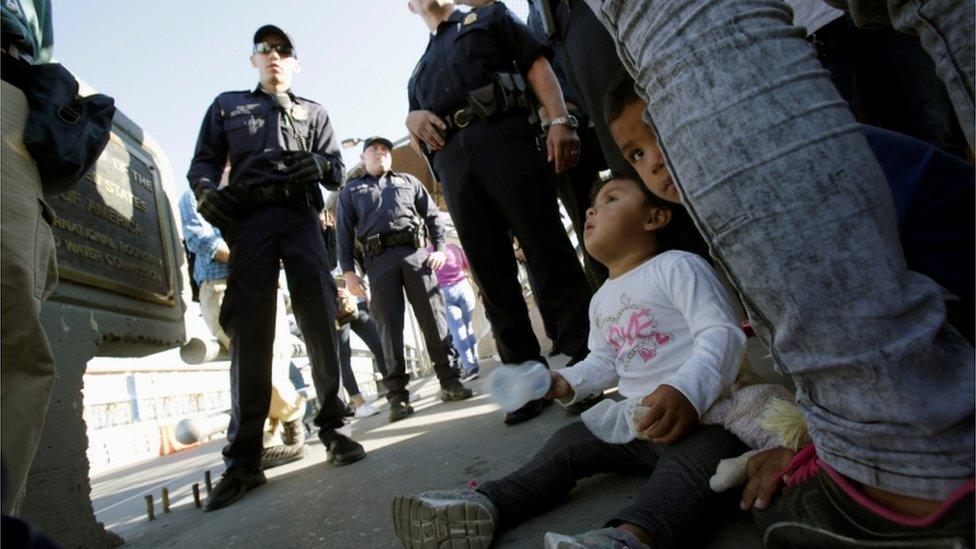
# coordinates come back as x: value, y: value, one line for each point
x: 219, y: 208
x: 307, y: 167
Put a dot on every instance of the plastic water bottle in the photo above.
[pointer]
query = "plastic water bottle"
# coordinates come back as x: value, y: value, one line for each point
x: 512, y: 386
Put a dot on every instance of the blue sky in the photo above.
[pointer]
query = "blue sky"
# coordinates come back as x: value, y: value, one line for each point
x: 164, y: 62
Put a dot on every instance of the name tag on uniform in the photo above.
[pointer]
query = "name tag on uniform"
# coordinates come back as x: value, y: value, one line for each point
x: 359, y: 188
x: 471, y: 18
x: 398, y: 181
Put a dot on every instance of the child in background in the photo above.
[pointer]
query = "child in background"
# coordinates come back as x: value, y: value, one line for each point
x: 662, y: 328
x: 459, y: 299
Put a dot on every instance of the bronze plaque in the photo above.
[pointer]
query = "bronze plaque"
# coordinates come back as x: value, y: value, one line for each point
x: 108, y: 230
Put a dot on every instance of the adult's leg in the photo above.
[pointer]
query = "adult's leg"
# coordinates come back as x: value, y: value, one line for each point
x: 365, y: 327
x: 286, y: 402
x: 513, y: 171
x: 571, y: 453
x: 465, y: 303
x: 898, y: 89
x: 29, y: 275
x: 345, y: 362
x: 314, y: 300
x: 211, y: 299
x: 573, y: 189
x: 453, y: 314
x: 484, y: 235
x: 248, y: 316
x: 425, y: 297
x: 945, y: 29
x: 386, y: 288
x: 675, y: 504
x: 796, y: 209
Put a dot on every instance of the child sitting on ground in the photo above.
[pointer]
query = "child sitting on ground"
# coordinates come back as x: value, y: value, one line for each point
x: 932, y: 193
x: 662, y: 328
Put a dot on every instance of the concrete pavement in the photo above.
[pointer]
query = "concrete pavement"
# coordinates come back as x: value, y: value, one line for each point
x: 311, y: 503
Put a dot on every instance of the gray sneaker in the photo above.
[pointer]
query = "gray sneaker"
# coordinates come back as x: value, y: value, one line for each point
x: 604, y: 538
x: 445, y: 518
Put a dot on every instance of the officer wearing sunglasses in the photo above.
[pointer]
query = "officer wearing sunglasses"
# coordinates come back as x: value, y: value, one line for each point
x: 281, y: 147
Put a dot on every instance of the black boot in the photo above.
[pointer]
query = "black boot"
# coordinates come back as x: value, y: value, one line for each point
x: 454, y: 390
x: 399, y: 410
x: 233, y: 484
x: 340, y: 449
x: 527, y: 412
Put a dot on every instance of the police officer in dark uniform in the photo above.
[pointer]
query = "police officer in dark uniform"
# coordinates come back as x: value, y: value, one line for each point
x: 470, y: 110
x: 281, y: 147
x: 385, y: 213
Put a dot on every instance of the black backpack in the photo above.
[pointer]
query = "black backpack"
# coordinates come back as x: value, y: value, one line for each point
x: 65, y: 133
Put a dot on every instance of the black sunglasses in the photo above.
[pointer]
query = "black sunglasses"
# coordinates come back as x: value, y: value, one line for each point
x: 282, y: 49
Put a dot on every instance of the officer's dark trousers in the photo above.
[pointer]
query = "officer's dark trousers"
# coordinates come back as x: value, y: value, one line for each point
x: 573, y: 188
x: 399, y: 269
x: 495, y: 180
x: 258, y: 243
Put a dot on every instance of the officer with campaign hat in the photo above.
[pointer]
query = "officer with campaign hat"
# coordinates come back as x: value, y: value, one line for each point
x: 388, y: 215
x: 281, y: 148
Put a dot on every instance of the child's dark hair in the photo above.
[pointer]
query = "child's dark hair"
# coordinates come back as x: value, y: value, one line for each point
x: 679, y: 234
x: 620, y: 94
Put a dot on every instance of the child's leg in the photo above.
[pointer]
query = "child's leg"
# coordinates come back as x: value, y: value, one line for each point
x: 572, y: 453
x: 673, y: 506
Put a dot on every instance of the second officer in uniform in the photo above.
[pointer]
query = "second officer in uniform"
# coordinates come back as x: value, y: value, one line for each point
x: 470, y: 109
x: 386, y: 213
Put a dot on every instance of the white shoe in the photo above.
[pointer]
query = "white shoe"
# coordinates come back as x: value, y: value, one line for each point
x: 366, y: 410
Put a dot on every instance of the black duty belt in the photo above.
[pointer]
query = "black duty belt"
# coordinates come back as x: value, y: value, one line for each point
x: 377, y: 243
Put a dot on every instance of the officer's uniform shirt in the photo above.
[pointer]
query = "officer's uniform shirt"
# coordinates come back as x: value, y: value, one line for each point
x: 465, y: 51
x: 248, y: 129
x: 370, y: 205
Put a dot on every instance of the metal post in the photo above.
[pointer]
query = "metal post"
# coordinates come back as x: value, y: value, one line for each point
x: 196, y: 494
x: 165, y: 499
x: 150, y: 511
x: 206, y: 480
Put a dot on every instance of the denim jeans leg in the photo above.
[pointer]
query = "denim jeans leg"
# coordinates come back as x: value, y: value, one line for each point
x: 455, y: 324
x: 465, y: 301
x: 794, y: 206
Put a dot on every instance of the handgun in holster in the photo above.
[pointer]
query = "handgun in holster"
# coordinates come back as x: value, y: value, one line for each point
x: 374, y: 245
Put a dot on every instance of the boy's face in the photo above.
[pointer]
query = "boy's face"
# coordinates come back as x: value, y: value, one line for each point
x: 639, y: 146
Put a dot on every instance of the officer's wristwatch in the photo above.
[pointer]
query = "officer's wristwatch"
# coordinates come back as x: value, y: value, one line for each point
x: 569, y: 120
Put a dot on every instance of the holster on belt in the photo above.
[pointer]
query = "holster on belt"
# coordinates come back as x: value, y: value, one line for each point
x: 376, y: 244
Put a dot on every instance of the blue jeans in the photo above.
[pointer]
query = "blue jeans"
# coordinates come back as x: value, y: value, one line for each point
x: 459, y: 299
x: 783, y: 186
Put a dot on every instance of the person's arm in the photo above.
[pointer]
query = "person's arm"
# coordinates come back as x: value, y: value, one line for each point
x: 428, y: 210
x: 210, y: 155
x: 591, y: 375
x: 531, y: 57
x: 200, y: 237
x: 719, y: 342
x: 324, y: 142
x: 346, y: 221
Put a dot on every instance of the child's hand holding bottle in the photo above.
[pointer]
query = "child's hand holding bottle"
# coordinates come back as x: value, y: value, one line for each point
x: 558, y: 387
